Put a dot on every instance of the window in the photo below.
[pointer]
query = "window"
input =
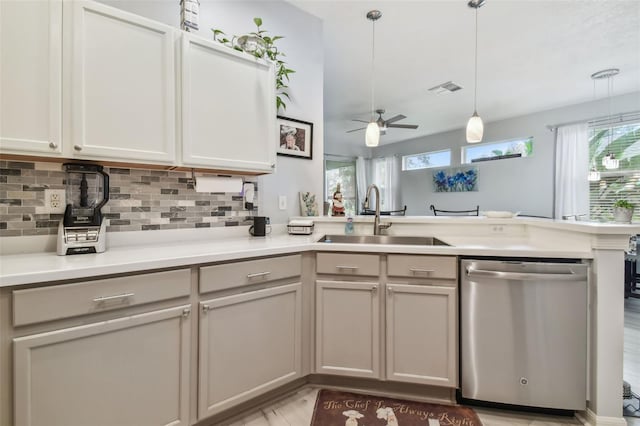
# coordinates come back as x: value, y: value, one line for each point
x: 343, y: 173
x: 497, y: 150
x: 426, y: 160
x: 623, y: 141
x: 380, y: 170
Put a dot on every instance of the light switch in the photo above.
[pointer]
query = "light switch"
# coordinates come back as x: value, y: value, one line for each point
x: 282, y: 202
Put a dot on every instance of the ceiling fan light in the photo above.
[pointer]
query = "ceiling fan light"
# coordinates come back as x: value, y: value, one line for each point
x: 475, y: 129
x: 372, y: 135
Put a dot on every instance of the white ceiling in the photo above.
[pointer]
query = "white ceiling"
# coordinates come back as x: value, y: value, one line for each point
x: 532, y: 56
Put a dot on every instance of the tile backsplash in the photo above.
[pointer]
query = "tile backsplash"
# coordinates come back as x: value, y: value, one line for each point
x: 140, y: 199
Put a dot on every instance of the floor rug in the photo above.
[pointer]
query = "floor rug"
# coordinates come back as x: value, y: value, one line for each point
x: 335, y: 408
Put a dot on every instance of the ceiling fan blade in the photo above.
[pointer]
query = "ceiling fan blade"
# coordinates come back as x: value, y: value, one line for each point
x: 360, y: 121
x: 355, y: 130
x: 403, y: 126
x: 396, y: 118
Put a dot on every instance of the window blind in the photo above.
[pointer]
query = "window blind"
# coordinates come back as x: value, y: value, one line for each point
x: 623, y: 141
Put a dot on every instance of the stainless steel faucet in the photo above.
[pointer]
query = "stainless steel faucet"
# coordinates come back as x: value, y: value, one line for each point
x: 377, y: 226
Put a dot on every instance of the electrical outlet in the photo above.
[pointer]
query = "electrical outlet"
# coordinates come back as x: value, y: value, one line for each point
x: 282, y: 202
x: 54, y: 200
x: 498, y: 229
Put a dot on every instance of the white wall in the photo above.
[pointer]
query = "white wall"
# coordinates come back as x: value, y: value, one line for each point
x: 519, y: 184
x: 303, y: 47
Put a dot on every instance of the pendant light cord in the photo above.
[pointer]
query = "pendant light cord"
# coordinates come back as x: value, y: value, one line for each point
x: 475, y: 82
x: 373, y: 68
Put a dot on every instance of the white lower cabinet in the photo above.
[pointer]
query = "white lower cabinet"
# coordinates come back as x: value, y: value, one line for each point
x: 421, y: 334
x: 347, y: 328
x: 127, y: 371
x: 250, y: 343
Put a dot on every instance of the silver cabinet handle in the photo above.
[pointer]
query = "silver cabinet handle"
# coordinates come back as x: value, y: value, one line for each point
x: 421, y: 271
x: 390, y: 291
x: 53, y: 145
x: 374, y: 289
x: 258, y: 274
x: 186, y: 312
x: 205, y: 308
x: 347, y: 267
x: 103, y: 299
x: 523, y: 276
x: 77, y: 147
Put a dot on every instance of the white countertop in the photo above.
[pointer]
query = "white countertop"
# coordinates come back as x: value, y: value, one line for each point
x: 17, y: 269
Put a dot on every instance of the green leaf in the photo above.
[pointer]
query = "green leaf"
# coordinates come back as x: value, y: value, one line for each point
x: 275, y: 38
x: 257, y: 21
x: 285, y: 94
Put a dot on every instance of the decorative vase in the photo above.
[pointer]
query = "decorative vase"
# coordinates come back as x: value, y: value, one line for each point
x: 622, y: 214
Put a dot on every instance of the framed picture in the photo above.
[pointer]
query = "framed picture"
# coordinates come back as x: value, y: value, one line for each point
x: 296, y: 138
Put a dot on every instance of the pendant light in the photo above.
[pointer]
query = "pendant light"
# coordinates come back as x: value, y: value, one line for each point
x: 609, y: 161
x: 372, y: 134
x: 475, y: 128
x: 594, y: 174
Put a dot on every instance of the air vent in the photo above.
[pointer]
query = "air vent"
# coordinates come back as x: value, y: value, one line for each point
x: 449, y: 86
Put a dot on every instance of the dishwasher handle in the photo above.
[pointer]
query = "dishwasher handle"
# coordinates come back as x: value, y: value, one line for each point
x: 523, y: 276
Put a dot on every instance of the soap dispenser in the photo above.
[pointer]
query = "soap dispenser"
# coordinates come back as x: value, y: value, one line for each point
x: 348, y: 227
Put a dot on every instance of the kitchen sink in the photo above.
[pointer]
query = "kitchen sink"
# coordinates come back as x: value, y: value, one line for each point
x: 382, y: 239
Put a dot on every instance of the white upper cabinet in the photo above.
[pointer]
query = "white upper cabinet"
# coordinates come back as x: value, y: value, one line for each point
x: 123, y: 86
x: 30, y: 77
x: 228, y: 108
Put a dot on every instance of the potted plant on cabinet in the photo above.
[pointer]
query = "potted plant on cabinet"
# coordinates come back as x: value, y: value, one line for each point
x: 262, y: 46
x: 622, y: 211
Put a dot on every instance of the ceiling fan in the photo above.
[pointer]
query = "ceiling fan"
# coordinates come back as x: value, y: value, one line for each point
x: 386, y: 124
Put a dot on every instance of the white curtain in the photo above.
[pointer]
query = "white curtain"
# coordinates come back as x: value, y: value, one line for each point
x: 361, y: 180
x: 386, y: 174
x: 572, y: 169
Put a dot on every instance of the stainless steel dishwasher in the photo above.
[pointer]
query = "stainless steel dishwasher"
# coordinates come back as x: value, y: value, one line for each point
x: 524, y: 333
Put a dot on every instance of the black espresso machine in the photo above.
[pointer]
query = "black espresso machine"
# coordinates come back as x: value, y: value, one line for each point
x: 82, y: 229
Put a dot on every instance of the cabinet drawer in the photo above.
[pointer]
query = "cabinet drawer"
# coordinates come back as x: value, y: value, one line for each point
x: 70, y: 300
x: 348, y: 264
x: 229, y: 275
x: 422, y: 266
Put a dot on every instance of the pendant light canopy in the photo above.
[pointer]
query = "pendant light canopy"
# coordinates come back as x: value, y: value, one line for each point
x: 609, y: 161
x: 372, y: 134
x: 475, y: 128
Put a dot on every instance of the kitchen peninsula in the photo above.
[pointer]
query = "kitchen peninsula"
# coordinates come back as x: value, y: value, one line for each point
x: 147, y: 291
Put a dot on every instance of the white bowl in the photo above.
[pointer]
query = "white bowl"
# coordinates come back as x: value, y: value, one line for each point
x: 500, y: 214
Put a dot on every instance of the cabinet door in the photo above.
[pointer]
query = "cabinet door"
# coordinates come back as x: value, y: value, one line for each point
x: 228, y: 108
x: 127, y: 371
x: 347, y: 328
x: 30, y: 77
x: 123, y: 100
x: 421, y: 334
x: 250, y: 343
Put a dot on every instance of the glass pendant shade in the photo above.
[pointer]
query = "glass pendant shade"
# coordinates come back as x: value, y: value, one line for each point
x: 610, y: 162
x: 372, y: 135
x: 594, y: 176
x: 475, y: 129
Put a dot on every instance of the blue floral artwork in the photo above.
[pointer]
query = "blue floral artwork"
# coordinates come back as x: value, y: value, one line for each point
x: 462, y: 179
